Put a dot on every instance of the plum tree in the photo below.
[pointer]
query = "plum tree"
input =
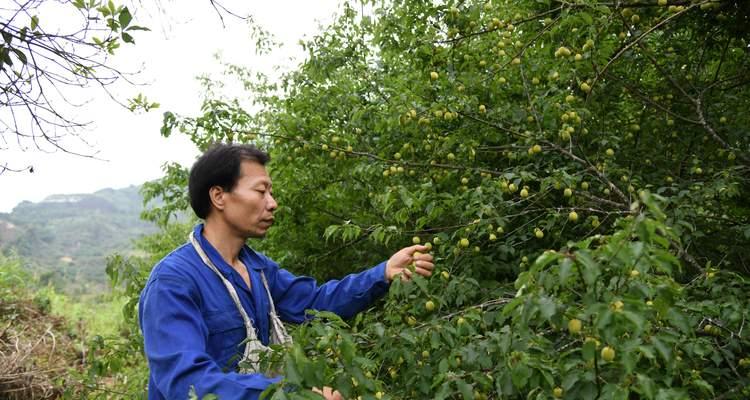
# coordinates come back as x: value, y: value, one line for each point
x: 592, y: 140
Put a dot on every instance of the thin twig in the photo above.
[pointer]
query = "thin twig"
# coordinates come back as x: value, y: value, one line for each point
x: 641, y: 37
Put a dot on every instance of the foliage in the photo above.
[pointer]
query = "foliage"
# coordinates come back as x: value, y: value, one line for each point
x: 614, y: 133
x: 13, y: 277
x: 99, y: 314
x: 524, y: 343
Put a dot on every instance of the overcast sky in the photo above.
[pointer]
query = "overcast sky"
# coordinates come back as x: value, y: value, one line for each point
x: 181, y: 46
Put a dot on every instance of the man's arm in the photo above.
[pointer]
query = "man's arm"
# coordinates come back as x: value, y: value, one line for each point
x: 346, y: 297
x: 175, y: 343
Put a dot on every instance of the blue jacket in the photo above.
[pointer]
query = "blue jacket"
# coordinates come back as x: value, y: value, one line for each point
x: 192, y: 329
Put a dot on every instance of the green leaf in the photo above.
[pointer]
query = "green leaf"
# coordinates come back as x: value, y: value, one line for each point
x: 646, y: 386
x: 444, y: 391
x: 565, y: 270
x: 292, y: 374
x: 408, y: 337
x: 588, y: 351
x: 330, y: 231
x: 588, y: 390
x: 124, y: 18
x: 587, y: 19
x: 467, y: 391
x: 570, y: 380
x: 665, y: 261
x: 635, y: 319
x: 21, y: 56
x: 629, y: 361
x: 703, y: 385
x: 652, y: 202
x: 104, y: 10
x: 645, y: 231
x: 137, y: 28
x: 5, y: 56
x: 511, y: 306
x: 678, y: 320
x: 590, y: 268
x: 547, y: 307
x: 604, y: 319
x: 665, y: 352
x: 421, y: 283
x: 614, y: 392
x: 520, y: 375
x: 34, y: 22
x: 545, y: 258
x: 443, y: 366
x: 646, y: 351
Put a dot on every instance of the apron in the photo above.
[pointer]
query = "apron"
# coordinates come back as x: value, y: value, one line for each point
x: 250, y: 362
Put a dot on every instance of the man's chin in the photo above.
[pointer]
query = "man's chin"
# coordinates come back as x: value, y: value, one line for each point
x: 259, y: 233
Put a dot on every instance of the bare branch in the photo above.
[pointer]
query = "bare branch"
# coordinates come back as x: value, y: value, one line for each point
x: 41, y: 63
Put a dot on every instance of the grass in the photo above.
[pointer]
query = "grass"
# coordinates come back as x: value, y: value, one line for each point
x: 90, y: 315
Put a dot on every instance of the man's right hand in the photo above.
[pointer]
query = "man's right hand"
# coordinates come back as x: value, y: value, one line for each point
x: 398, y: 264
x: 328, y: 393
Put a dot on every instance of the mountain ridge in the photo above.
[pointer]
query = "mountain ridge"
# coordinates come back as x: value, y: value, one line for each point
x: 66, y: 238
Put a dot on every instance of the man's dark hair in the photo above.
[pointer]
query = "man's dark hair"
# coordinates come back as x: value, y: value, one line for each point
x: 219, y: 166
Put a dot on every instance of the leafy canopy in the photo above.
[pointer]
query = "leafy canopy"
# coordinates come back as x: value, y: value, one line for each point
x: 579, y: 168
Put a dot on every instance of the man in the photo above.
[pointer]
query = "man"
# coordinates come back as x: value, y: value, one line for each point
x: 206, y: 297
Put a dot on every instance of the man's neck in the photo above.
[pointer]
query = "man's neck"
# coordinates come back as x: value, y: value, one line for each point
x: 224, y: 240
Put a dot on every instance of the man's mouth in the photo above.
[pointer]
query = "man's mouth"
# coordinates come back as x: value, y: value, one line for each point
x: 268, y: 221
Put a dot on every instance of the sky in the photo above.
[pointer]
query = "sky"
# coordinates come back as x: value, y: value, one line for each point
x: 182, y: 45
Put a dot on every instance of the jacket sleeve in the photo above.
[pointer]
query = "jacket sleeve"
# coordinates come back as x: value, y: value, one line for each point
x: 175, y: 337
x: 293, y: 295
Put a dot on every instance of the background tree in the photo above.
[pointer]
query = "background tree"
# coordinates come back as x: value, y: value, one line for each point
x: 579, y: 169
x: 49, y: 50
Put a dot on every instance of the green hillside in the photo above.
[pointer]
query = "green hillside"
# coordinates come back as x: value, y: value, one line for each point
x: 66, y: 238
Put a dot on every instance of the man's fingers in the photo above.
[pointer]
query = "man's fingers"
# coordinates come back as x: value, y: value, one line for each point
x: 410, y: 260
x: 422, y: 256
x: 328, y: 393
x: 405, y: 274
x: 416, y: 247
x: 426, y: 265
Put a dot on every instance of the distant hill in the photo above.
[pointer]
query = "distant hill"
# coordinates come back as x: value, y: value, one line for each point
x: 66, y: 238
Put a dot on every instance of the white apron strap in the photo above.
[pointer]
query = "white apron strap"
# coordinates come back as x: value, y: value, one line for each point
x: 279, y: 334
x: 253, y: 346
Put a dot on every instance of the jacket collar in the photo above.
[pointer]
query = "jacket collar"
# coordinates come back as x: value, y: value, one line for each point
x: 247, y: 255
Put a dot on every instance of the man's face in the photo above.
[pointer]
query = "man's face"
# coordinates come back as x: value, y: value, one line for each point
x: 250, y: 205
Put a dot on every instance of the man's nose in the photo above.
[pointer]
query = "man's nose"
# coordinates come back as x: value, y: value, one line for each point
x: 271, y: 204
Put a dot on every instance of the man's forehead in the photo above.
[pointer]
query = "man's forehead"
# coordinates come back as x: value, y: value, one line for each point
x: 255, y: 172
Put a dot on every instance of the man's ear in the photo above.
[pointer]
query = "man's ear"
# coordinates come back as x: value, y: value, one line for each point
x: 217, y: 196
